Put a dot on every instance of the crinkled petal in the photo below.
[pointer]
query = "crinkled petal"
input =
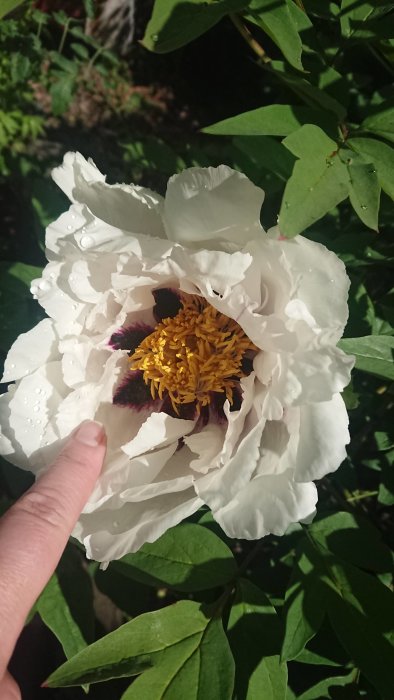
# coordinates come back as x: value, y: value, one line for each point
x: 322, y: 283
x: 31, y: 350
x: 111, y: 535
x: 267, y: 505
x: 64, y: 175
x: 323, y: 436
x: 127, y: 207
x: 207, y: 444
x: 26, y: 412
x: 158, y: 430
x: 212, y: 207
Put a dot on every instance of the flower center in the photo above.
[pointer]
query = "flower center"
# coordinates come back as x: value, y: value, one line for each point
x: 197, y: 352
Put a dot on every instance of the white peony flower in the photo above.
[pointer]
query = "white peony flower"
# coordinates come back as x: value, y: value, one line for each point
x: 206, y: 347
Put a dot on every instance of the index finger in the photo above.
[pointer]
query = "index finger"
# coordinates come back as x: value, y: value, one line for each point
x: 35, y: 530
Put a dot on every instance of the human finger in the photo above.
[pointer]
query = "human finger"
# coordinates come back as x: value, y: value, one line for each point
x: 35, y: 530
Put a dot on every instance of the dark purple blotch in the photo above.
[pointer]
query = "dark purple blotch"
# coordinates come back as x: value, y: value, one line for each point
x: 186, y: 411
x: 167, y: 303
x: 134, y: 393
x: 130, y: 337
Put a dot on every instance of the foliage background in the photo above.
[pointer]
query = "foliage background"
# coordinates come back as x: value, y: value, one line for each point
x: 308, y: 615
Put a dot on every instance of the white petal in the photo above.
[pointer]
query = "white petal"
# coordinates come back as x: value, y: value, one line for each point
x: 220, y: 486
x: 212, y: 207
x: 322, y: 282
x: 83, y: 361
x: 212, y: 272
x: 267, y: 505
x: 310, y: 376
x: 158, y: 430
x: 85, y: 402
x: 64, y: 175
x: 127, y: 207
x: 207, y: 444
x: 32, y: 406
x: 30, y: 351
x: 54, y: 295
x: 323, y: 436
x: 108, y: 535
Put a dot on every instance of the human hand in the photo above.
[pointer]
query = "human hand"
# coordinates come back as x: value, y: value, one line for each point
x: 34, y: 533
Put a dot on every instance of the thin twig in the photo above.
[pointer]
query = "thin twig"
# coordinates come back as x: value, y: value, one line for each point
x: 250, y: 40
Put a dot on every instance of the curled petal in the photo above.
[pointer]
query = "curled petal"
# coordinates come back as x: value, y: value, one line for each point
x: 268, y: 504
x: 323, y: 436
x: 213, y: 207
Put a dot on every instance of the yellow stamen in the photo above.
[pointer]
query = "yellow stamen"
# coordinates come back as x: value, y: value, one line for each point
x: 197, y: 352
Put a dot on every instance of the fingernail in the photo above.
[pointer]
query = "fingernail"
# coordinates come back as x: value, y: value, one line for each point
x: 90, y: 433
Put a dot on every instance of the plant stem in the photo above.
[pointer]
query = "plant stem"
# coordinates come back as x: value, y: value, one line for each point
x: 250, y: 40
x: 64, y: 34
x: 360, y: 496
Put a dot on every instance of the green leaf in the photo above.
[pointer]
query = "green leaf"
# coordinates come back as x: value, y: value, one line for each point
x: 80, y: 49
x: 8, y: 6
x: 266, y: 154
x: 90, y: 8
x: 62, y: 92
x: 354, y: 539
x: 361, y: 319
x: 304, y: 607
x: 254, y: 633
x: 374, y: 354
x: 69, y: 616
x: 353, y: 13
x: 386, y: 487
x: 323, y: 649
x: 310, y: 141
x: 364, y: 193
x: 204, y: 671
x: 350, y: 397
x: 361, y: 612
x: 324, y: 688
x: 18, y: 310
x: 382, y: 157
x: 180, y: 645
x: 276, y: 20
x: 311, y: 94
x: 318, y: 183
x: 175, y: 23
x: 20, y: 67
x: 64, y: 63
x: 187, y: 557
x: 272, y: 120
x: 381, y: 123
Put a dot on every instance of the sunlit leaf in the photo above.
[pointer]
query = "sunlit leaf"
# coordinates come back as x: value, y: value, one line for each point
x: 173, y: 644
x: 374, y: 354
x: 272, y: 120
x: 188, y: 557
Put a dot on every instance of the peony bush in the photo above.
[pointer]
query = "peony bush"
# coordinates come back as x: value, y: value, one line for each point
x: 205, y: 345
